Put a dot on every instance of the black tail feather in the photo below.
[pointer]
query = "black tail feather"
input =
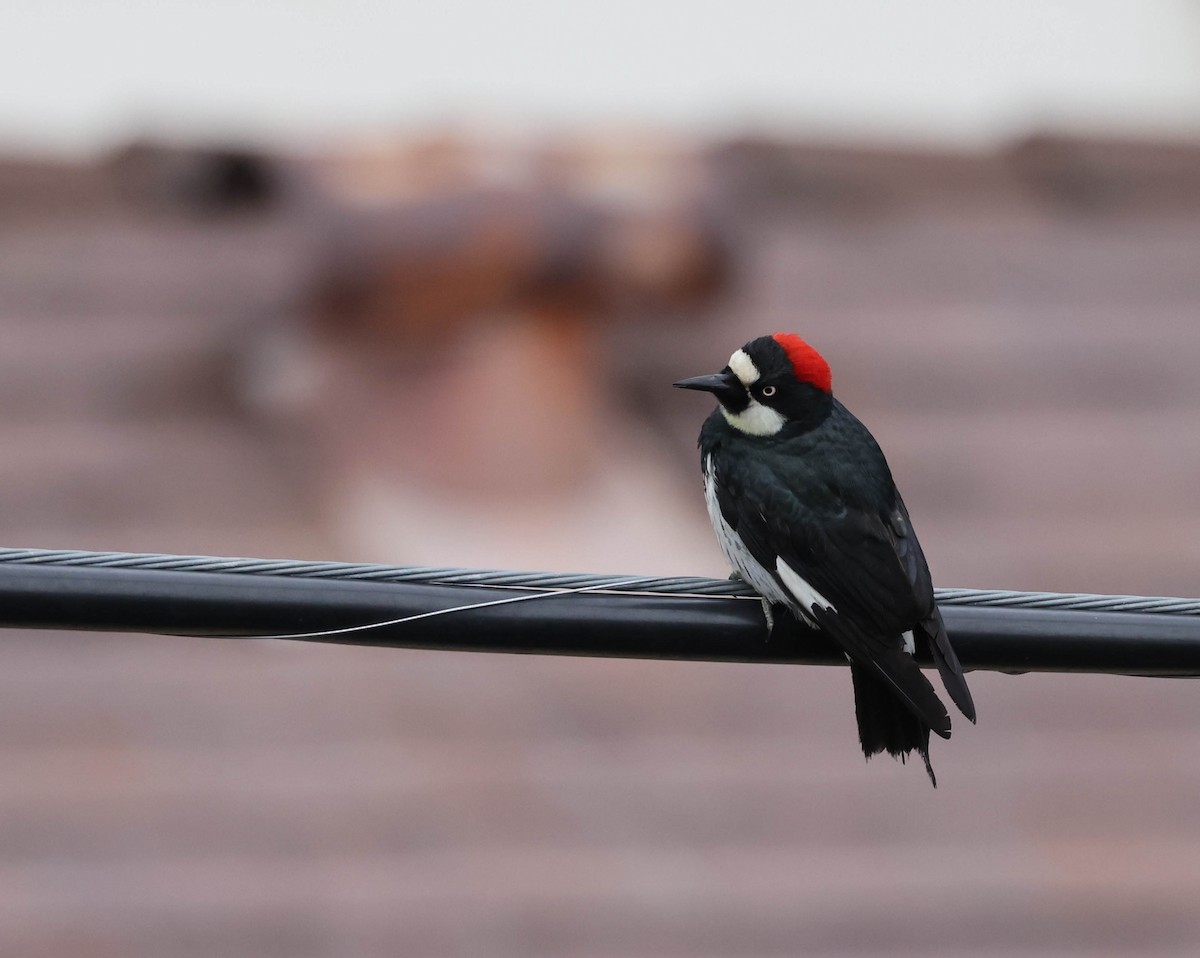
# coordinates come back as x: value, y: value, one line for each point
x: 947, y: 663
x: 885, y: 724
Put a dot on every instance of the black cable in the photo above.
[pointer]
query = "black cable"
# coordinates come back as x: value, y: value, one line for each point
x: 668, y: 618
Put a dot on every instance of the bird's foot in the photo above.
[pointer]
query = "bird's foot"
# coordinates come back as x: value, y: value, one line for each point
x: 767, y: 614
x: 736, y: 576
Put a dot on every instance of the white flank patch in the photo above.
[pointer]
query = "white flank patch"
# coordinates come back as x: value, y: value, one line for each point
x: 808, y: 597
x: 756, y: 419
x: 910, y: 645
x: 735, y: 550
x: 743, y: 367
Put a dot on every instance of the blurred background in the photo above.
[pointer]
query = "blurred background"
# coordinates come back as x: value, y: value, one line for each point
x: 409, y: 284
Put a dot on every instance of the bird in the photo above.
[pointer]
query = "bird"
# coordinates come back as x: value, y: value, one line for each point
x: 805, y: 509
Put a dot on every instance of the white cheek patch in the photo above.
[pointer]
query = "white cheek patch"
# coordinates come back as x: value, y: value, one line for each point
x: 743, y: 367
x: 808, y: 597
x: 755, y: 420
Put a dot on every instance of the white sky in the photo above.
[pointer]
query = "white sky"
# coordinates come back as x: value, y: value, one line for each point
x: 83, y: 74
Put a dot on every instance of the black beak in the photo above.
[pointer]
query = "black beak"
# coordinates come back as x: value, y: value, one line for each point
x: 723, y: 385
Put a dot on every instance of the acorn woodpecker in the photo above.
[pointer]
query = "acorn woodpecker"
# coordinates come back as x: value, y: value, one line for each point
x: 806, y: 511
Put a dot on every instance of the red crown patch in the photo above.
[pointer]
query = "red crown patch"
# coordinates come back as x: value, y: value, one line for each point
x: 807, y: 363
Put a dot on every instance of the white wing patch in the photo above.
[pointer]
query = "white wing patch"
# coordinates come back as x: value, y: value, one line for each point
x: 808, y: 597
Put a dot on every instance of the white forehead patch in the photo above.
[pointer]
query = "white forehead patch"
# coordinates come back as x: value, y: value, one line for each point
x: 743, y: 367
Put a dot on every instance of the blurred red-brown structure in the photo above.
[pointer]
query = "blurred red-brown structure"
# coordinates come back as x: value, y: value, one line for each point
x: 442, y: 352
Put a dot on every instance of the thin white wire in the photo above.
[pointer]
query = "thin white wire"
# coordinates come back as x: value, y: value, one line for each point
x: 607, y: 586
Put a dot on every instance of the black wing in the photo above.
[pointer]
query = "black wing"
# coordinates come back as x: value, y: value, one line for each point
x: 931, y: 626
x: 872, y: 575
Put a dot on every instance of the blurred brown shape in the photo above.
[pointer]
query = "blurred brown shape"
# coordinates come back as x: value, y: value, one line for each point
x: 1099, y: 175
x: 203, y: 180
x: 465, y: 293
x: 42, y: 187
x: 413, y: 270
x: 788, y: 178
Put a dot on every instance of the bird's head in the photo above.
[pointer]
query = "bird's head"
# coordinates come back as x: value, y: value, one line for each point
x: 770, y: 382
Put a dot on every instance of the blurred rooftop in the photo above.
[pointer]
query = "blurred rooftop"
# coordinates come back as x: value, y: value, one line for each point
x: 431, y: 352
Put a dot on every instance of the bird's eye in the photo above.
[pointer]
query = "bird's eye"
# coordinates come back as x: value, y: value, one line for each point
x: 768, y: 390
